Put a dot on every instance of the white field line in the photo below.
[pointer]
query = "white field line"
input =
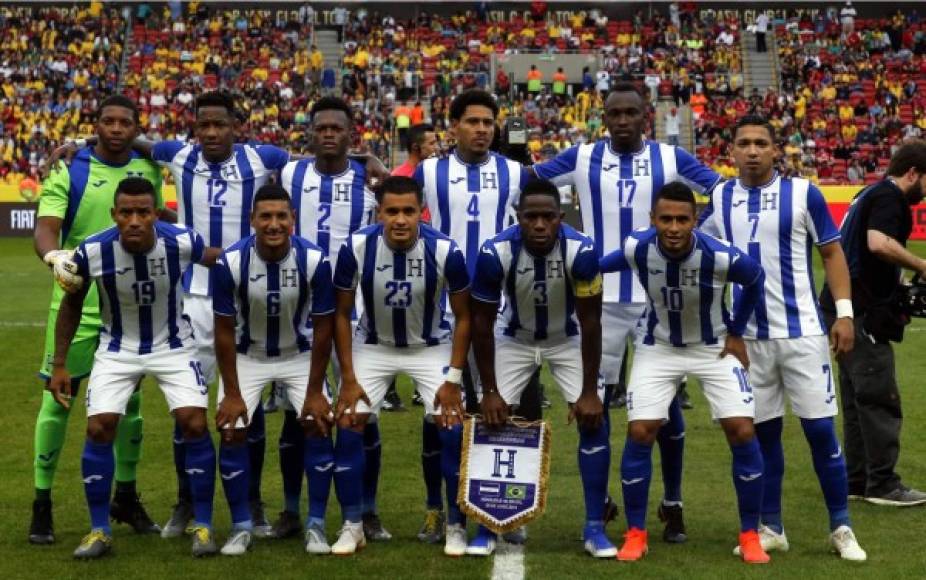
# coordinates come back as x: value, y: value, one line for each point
x: 509, y: 562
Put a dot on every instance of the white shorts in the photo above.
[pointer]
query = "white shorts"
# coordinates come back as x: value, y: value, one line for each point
x: 199, y: 310
x: 291, y: 374
x: 516, y: 361
x: 657, y: 370
x: 376, y: 365
x: 115, y: 375
x: 798, y: 367
x: 618, y: 325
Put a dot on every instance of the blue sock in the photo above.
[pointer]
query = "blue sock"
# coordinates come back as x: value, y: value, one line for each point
x: 747, y: 479
x: 257, y: 446
x: 773, y: 456
x: 594, y: 464
x: 200, y: 466
x: 430, y: 463
x: 451, y: 447
x: 348, y: 473
x: 183, y: 480
x: 373, y: 456
x: 292, y: 455
x: 636, y: 473
x: 671, y: 440
x: 831, y: 471
x: 235, y: 472
x: 319, y: 469
x: 97, y: 466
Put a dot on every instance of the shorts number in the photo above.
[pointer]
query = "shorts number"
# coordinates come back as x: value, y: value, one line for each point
x: 830, y: 395
x: 540, y: 293
x: 473, y: 208
x: 198, y: 372
x: 626, y: 187
x: 324, y: 214
x: 217, y: 188
x: 672, y: 298
x: 743, y: 379
x: 273, y: 303
x: 144, y: 292
x: 400, y: 294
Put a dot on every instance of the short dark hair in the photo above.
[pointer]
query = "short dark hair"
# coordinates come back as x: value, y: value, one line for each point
x: 910, y: 154
x: 472, y: 97
x: 752, y: 120
x: 271, y: 192
x: 541, y: 187
x: 626, y: 87
x: 331, y: 104
x: 135, y: 186
x: 221, y: 99
x: 416, y: 134
x: 675, y: 191
x: 400, y: 185
x: 118, y: 101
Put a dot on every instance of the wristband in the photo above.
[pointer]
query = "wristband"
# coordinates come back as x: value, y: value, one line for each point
x: 844, y: 308
x: 454, y: 375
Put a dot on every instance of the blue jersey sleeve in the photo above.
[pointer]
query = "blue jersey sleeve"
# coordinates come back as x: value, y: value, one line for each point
x: 345, y: 273
x: 80, y: 259
x: 419, y: 174
x: 560, y: 168
x: 165, y: 151
x: 455, y: 270
x: 701, y: 176
x: 824, y: 229
x: 489, y: 274
x: 322, y: 289
x: 223, y: 289
x: 272, y: 157
x: 749, y: 274
x: 197, y: 247
x: 585, y: 267
x: 614, y: 262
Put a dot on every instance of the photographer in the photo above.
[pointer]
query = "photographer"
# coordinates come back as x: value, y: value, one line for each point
x: 874, y: 235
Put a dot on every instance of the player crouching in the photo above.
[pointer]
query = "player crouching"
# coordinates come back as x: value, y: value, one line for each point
x: 137, y: 266
x: 268, y: 287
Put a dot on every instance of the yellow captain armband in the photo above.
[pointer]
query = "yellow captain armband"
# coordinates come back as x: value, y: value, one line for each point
x: 588, y: 288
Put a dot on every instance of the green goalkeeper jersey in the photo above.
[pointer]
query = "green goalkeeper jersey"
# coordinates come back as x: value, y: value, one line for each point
x: 82, y: 196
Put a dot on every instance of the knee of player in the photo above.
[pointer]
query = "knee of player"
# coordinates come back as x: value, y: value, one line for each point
x: 311, y: 429
x: 102, y: 428
x: 234, y: 437
x: 358, y: 424
x: 739, y: 430
x: 643, y: 432
x: 192, y: 421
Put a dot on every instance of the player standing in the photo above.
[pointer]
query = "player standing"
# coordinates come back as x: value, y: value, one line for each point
x: 402, y: 269
x: 75, y: 203
x: 549, y: 275
x: 269, y: 286
x: 689, y: 331
x: 617, y: 180
x: 137, y: 266
x: 776, y: 219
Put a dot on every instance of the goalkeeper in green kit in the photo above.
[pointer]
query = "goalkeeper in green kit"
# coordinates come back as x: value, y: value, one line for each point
x: 75, y: 203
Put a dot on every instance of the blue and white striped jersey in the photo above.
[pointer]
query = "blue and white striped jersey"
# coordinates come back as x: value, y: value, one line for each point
x: 141, y: 298
x: 215, y: 199
x: 540, y: 291
x: 470, y: 203
x: 273, y: 301
x: 402, y: 291
x: 329, y: 208
x: 686, y: 298
x: 616, y: 193
x: 777, y: 225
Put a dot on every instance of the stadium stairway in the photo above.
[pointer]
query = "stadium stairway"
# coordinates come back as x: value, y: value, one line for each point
x: 327, y: 41
x: 760, y: 69
x: 686, y: 126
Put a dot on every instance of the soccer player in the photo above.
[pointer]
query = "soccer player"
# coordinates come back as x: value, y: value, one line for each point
x: 471, y: 194
x: 268, y: 287
x: 549, y: 276
x: 617, y: 180
x: 75, y: 203
x: 776, y: 219
x: 137, y: 266
x: 402, y: 268
x: 688, y: 330
x: 332, y: 199
x: 422, y: 144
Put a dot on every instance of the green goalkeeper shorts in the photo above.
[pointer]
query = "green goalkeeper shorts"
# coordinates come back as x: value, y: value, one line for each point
x: 80, y: 354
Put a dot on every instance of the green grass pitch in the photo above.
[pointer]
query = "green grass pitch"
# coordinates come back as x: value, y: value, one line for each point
x: 894, y: 538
